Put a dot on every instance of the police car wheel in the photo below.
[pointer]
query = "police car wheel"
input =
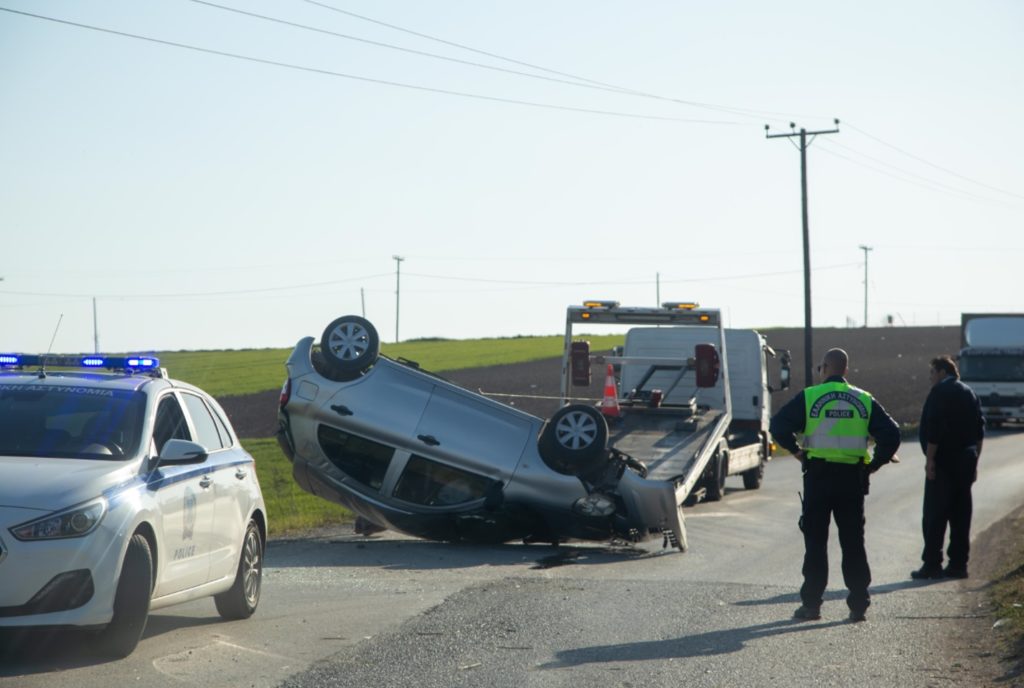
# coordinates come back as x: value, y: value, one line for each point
x: 349, y: 345
x: 241, y: 600
x: 131, y: 601
x: 574, y: 440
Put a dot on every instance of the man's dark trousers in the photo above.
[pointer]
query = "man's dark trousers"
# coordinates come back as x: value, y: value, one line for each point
x: 948, y: 499
x: 834, y: 490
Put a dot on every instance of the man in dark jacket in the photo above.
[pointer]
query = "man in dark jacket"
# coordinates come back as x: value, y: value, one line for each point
x: 836, y: 420
x: 951, y: 433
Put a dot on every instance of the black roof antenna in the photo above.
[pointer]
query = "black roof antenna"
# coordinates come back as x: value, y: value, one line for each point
x: 42, y: 363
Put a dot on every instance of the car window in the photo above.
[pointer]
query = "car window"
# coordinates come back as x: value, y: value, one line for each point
x: 434, y: 484
x: 170, y: 423
x: 362, y: 460
x: 222, y: 428
x: 206, y: 429
x: 76, y: 422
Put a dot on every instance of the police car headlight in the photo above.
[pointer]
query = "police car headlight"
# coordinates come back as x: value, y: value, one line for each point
x: 74, y: 522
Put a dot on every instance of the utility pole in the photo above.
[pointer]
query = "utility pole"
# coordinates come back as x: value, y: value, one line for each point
x: 804, y: 143
x: 657, y: 289
x: 362, y: 298
x: 865, y: 249
x: 95, y: 329
x: 398, y: 290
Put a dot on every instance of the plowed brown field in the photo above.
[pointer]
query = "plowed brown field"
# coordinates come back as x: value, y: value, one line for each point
x: 891, y: 363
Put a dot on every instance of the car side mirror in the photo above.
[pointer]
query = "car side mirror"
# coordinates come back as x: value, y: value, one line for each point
x: 183, y: 452
x: 708, y: 365
x: 784, y: 370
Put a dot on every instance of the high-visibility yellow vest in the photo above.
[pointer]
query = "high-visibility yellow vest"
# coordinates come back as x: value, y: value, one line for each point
x: 836, y: 422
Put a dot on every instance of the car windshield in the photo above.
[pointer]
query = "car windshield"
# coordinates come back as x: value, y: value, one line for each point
x: 74, y: 422
x: 993, y: 368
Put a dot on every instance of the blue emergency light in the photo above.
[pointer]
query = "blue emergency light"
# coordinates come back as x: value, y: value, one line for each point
x: 80, y: 361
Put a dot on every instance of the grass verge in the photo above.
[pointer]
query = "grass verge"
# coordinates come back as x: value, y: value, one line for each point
x: 1006, y: 594
x: 289, y: 508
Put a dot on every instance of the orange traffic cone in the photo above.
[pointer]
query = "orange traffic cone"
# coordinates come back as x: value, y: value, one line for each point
x: 610, y: 403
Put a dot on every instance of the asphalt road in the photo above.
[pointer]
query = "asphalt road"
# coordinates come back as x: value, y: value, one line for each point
x: 341, y: 610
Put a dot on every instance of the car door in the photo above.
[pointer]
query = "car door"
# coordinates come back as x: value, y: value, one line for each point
x: 185, y: 500
x: 467, y: 432
x: 232, y: 472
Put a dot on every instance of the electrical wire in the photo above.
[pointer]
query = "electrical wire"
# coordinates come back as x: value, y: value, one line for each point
x: 383, y: 82
x: 744, y: 112
x: 931, y: 164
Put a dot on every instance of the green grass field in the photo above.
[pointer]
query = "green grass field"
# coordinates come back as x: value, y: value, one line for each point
x: 230, y: 373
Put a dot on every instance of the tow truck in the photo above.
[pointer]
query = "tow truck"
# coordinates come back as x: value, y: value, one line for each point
x: 684, y: 396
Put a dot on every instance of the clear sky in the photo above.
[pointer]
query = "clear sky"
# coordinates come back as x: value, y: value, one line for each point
x: 208, y: 201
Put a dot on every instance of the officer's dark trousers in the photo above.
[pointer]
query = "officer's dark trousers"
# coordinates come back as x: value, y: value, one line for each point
x: 834, y: 490
x: 947, y: 499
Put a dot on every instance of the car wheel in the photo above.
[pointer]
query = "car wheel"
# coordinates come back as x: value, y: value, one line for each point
x: 350, y: 345
x: 131, y: 601
x: 716, y: 481
x: 241, y: 600
x: 574, y: 439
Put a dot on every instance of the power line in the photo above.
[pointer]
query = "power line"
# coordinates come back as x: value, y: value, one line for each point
x: 931, y: 164
x: 743, y: 112
x: 366, y: 79
x: 929, y: 184
x: 574, y: 81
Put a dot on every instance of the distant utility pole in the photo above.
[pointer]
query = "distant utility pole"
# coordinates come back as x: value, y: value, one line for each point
x: 95, y: 329
x: 362, y: 298
x: 657, y: 289
x: 865, y: 249
x: 398, y: 290
x: 804, y: 143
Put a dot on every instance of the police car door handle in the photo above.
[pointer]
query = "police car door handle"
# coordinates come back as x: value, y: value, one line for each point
x: 428, y: 440
x: 240, y: 474
x: 341, y: 410
x: 205, y: 482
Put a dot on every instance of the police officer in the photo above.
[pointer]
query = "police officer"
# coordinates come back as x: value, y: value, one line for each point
x: 952, y: 429
x: 836, y: 420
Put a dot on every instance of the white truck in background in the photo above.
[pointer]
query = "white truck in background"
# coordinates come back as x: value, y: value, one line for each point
x: 692, y: 399
x: 991, y: 361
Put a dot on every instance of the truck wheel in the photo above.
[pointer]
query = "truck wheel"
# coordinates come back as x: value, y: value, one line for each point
x: 716, y: 481
x: 753, y: 477
x: 350, y: 345
x: 574, y: 440
x: 131, y: 601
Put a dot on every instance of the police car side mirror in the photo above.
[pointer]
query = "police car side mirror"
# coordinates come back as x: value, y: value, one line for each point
x: 182, y: 452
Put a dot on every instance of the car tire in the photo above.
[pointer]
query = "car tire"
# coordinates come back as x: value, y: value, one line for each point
x: 131, y: 601
x: 574, y: 440
x: 349, y: 346
x: 716, y: 481
x: 242, y: 598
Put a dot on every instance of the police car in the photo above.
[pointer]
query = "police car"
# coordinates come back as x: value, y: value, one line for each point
x: 121, y: 492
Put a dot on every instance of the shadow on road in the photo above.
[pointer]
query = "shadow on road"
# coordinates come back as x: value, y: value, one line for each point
x: 418, y: 555
x: 39, y: 651
x: 834, y: 595
x: 700, y: 645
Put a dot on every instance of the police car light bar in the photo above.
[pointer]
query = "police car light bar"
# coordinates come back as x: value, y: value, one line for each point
x: 80, y: 361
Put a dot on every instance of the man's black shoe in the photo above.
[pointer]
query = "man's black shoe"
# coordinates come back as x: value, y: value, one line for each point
x: 805, y: 613
x: 955, y: 572
x: 927, y: 572
x: 857, y: 615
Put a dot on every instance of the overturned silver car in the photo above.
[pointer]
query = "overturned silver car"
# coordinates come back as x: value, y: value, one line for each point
x: 407, y: 450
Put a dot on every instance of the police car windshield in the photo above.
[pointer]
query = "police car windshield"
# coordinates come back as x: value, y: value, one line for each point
x: 73, y: 422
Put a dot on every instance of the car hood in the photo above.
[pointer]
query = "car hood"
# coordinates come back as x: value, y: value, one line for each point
x: 51, y: 484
